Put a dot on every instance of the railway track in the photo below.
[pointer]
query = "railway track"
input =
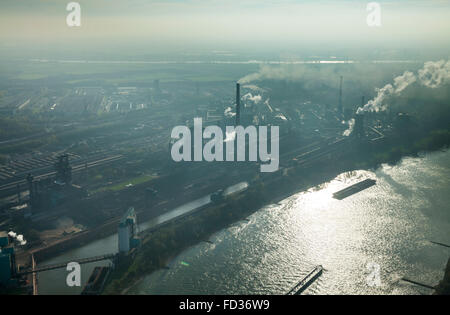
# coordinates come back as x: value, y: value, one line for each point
x: 79, y: 166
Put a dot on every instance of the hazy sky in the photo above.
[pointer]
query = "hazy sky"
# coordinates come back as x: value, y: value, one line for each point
x: 289, y: 22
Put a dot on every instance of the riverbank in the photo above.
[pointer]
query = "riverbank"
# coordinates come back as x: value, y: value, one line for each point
x: 171, y: 240
x: 444, y: 286
x: 373, y: 155
x: 166, y: 242
x: 82, y: 238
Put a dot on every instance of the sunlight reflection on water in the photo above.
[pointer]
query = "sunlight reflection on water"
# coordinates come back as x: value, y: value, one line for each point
x: 389, y: 224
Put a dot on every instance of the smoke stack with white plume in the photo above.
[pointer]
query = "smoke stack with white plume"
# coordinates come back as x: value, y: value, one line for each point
x: 434, y: 74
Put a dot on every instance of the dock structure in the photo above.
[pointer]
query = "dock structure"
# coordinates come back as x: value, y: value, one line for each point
x: 440, y: 244
x: 64, y: 264
x: 306, y: 281
x: 34, y: 276
x: 418, y: 283
x: 353, y: 189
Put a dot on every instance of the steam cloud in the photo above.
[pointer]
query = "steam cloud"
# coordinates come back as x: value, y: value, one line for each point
x: 351, y: 124
x: 253, y: 88
x: 255, y: 99
x: 18, y: 237
x: 229, y: 112
x: 432, y: 75
x: 273, y: 73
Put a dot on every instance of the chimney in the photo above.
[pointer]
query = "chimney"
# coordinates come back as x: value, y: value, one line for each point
x: 238, y: 104
x: 359, y: 125
x: 340, y: 107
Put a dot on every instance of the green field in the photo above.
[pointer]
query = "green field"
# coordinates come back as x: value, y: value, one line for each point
x: 122, y: 185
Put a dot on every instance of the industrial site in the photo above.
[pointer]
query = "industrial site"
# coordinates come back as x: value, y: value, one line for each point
x: 88, y: 176
x: 62, y: 195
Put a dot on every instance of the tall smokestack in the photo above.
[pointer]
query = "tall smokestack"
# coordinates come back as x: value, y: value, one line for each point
x: 359, y: 126
x: 340, y: 108
x: 238, y: 104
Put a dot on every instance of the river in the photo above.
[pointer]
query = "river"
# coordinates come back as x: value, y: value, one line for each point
x: 54, y: 282
x: 381, y: 233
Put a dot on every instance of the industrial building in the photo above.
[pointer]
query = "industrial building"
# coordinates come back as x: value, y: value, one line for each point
x: 358, y: 130
x: 7, y: 259
x: 128, y: 232
x: 49, y: 192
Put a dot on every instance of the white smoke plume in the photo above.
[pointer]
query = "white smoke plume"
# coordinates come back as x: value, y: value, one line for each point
x: 273, y: 73
x: 435, y: 74
x: 254, y: 88
x: 255, y: 99
x: 432, y: 75
x: 18, y: 237
x: 351, y: 124
x: 376, y: 104
x: 229, y: 112
x: 403, y: 81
